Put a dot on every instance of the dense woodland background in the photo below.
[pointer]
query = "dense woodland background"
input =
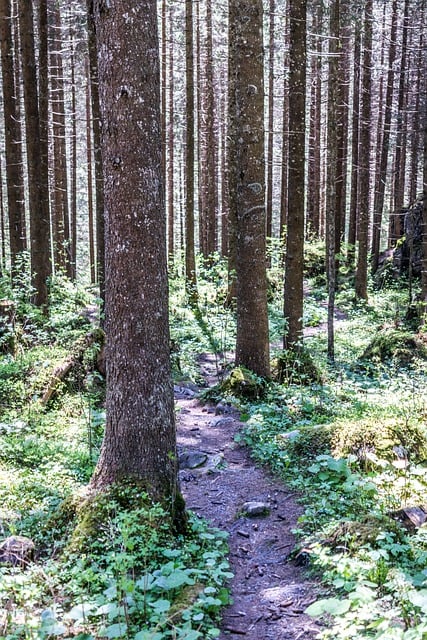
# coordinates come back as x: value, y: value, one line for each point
x: 344, y: 120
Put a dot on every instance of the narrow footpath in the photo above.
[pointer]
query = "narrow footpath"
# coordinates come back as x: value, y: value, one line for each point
x: 221, y: 483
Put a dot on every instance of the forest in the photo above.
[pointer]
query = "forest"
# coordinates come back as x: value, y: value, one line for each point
x: 213, y: 319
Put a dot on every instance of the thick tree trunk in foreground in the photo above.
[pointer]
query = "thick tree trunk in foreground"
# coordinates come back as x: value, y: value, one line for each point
x: 248, y: 178
x: 140, y: 439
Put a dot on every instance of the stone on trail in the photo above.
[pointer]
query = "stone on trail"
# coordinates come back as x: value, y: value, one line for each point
x: 255, y: 509
x: 16, y: 550
x: 192, y: 459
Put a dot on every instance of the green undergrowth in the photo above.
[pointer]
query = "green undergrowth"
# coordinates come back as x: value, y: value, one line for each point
x: 134, y: 579
x: 354, y: 447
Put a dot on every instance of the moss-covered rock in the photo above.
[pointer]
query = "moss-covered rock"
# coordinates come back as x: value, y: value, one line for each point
x: 396, y: 346
x: 388, y: 439
x: 240, y: 383
x: 354, y: 534
x: 308, y: 441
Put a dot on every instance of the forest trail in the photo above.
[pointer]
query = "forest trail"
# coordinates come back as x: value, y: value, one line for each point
x: 269, y: 591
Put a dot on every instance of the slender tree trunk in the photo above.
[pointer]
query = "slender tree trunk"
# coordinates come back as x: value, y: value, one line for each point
x: 361, y: 284
x: 60, y: 208
x: 99, y: 172
x: 354, y: 189
x: 270, y: 130
x: 284, y: 195
x: 396, y: 217
x: 190, y: 256
x: 171, y: 143
x: 294, y: 260
x: 248, y: 177
x: 384, y: 156
x: 89, y: 164
x: 37, y: 153
x: 73, y: 167
x: 314, y: 151
x: 335, y: 137
x: 13, y: 139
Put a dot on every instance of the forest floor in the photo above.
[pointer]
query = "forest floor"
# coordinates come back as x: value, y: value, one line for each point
x: 270, y: 591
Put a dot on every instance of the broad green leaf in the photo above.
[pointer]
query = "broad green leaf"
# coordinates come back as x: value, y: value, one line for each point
x: 148, y: 635
x: 333, y: 606
x: 117, y: 630
x: 160, y: 606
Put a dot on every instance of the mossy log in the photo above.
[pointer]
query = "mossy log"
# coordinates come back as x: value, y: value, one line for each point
x: 95, y: 337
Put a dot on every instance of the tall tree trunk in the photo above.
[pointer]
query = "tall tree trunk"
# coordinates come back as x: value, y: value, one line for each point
x: 140, y: 439
x: 90, y: 217
x: 284, y: 195
x: 294, y: 260
x: 60, y: 208
x: 361, y: 284
x: 333, y: 177
x: 37, y: 152
x: 170, y: 145
x: 13, y: 139
x: 247, y: 166
x: 99, y: 172
x: 384, y: 156
x: 270, y: 130
x: 355, y: 146
x: 73, y: 162
x: 190, y: 255
x: 396, y: 217
x: 314, y: 151
x: 343, y: 92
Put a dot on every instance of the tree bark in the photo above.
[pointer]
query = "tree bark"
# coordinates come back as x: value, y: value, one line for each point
x: 294, y: 259
x: 37, y: 155
x: 248, y: 178
x: 13, y: 138
x: 361, y: 285
x: 140, y: 440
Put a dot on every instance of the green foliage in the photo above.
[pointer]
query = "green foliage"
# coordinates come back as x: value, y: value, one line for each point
x: 296, y: 366
x: 395, y: 346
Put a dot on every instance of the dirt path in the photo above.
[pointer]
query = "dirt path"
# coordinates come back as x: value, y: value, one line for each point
x: 269, y: 591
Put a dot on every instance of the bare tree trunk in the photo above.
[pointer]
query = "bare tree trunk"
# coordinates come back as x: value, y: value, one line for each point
x: 73, y: 163
x: 354, y: 189
x: 140, y: 439
x: 60, y: 208
x: 270, y: 130
x: 171, y: 143
x: 396, y: 218
x: 384, y: 156
x: 99, y: 172
x: 13, y: 139
x: 314, y: 151
x: 361, y: 284
x: 333, y: 177
x: 92, y: 259
x: 37, y: 153
x: 248, y: 175
x: 190, y: 256
x: 294, y: 260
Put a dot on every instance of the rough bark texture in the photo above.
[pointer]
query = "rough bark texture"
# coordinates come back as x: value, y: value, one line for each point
x: 38, y: 188
x: 248, y: 169
x: 294, y: 260
x: 190, y: 258
x: 13, y: 137
x: 60, y: 209
x: 140, y: 439
x: 333, y: 169
x: 99, y: 172
x: 364, y: 160
x: 354, y: 188
x: 384, y: 154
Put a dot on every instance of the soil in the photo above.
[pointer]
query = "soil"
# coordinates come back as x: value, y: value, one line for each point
x: 270, y: 591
